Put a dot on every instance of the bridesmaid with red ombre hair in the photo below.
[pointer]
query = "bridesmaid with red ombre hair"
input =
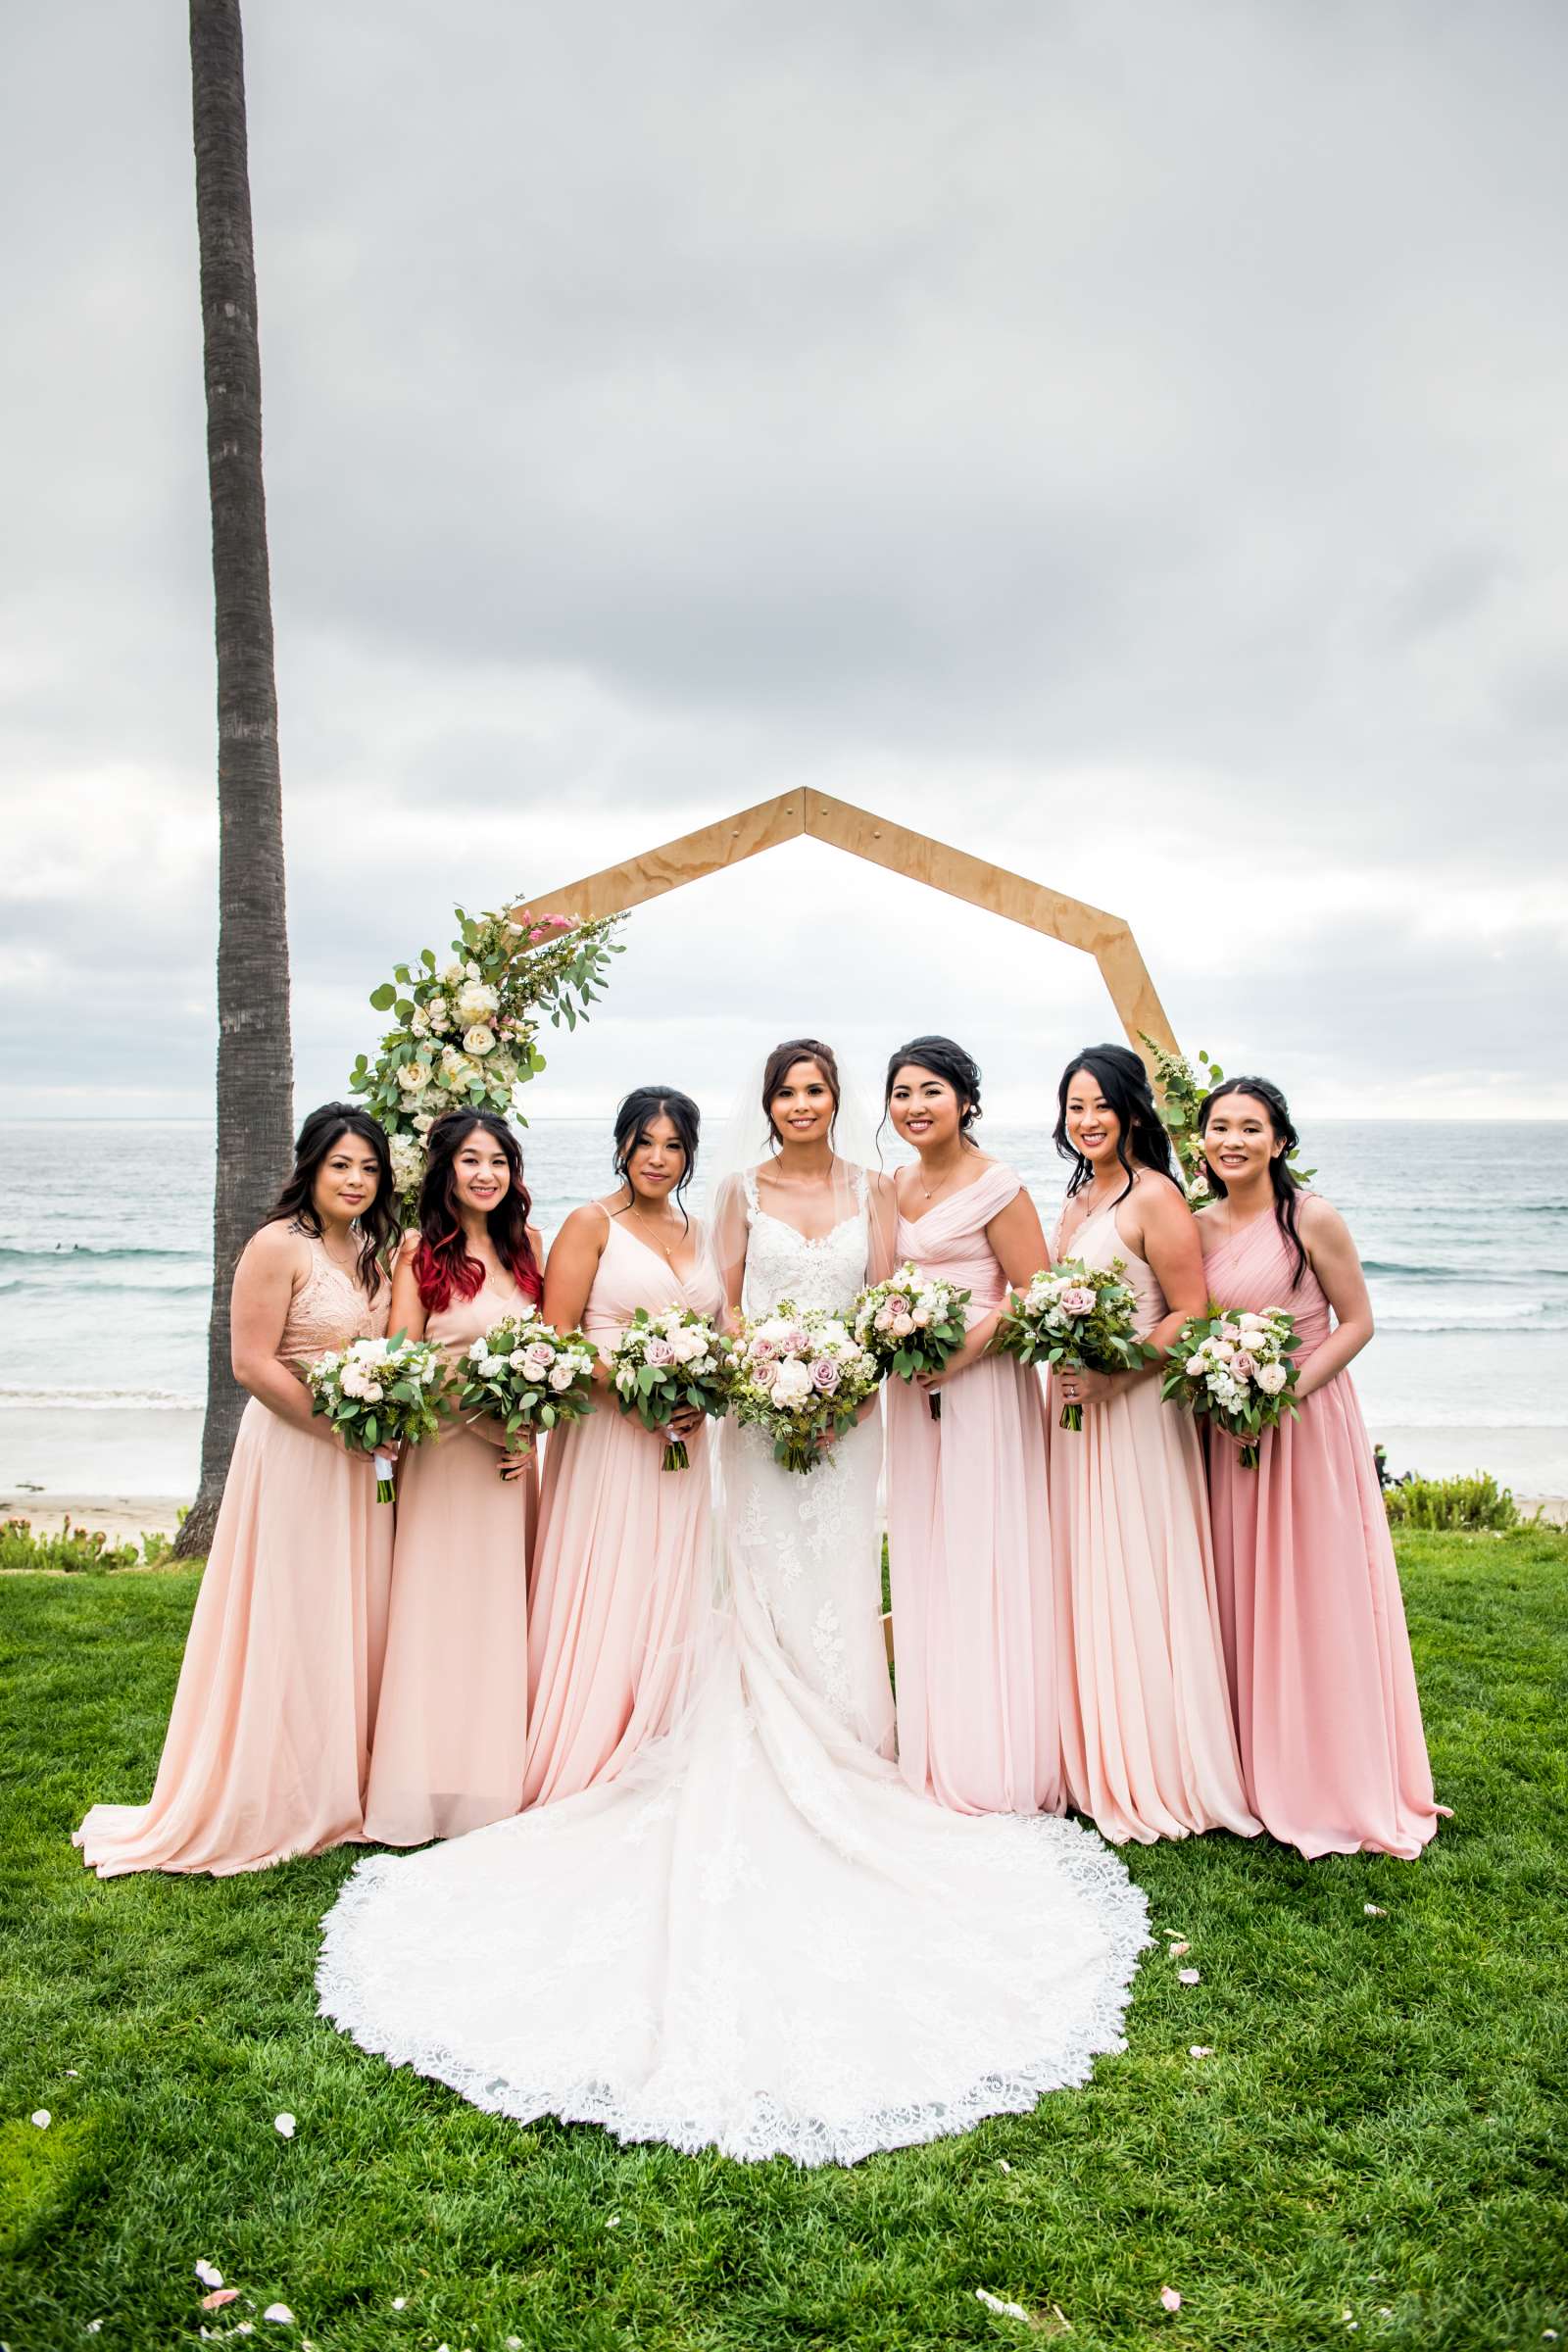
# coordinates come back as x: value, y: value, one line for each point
x: 452, y: 1727
x: 1315, y: 1639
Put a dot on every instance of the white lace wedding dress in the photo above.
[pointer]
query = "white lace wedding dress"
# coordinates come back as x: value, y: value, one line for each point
x: 758, y: 1940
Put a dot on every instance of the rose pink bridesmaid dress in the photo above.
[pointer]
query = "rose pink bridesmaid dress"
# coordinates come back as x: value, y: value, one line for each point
x: 1147, y: 1740
x: 622, y: 1575
x: 268, y: 1740
x: 970, y: 1548
x: 452, y: 1728
x: 1315, y: 1639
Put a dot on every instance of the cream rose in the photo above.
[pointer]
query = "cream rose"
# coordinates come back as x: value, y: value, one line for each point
x: 478, y: 1038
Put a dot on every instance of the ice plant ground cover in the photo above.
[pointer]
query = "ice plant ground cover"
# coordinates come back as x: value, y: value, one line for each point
x: 1377, y: 2131
x: 380, y: 1394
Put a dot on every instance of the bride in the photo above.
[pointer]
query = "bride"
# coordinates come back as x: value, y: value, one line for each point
x: 757, y: 1938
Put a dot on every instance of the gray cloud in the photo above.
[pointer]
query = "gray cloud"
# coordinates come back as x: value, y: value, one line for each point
x: 1124, y: 440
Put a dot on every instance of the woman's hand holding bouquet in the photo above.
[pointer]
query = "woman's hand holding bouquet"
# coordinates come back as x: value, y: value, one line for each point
x: 668, y: 1365
x: 1237, y: 1368
x: 1075, y: 1316
x: 379, y: 1395
x: 802, y: 1376
x: 912, y: 1325
x: 528, y: 1377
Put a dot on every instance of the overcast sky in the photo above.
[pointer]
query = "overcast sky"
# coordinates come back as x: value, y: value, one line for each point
x: 1126, y: 440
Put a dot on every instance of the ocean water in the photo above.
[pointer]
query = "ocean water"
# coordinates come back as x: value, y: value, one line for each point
x: 105, y: 1274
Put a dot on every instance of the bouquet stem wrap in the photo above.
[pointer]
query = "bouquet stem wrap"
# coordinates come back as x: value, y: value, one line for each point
x: 1074, y: 1317
x: 379, y: 1395
x: 667, y: 1363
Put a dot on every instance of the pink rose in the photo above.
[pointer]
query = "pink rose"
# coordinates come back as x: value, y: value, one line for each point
x: 884, y: 1318
x: 765, y: 1371
x: 762, y: 1351
x: 1231, y: 1331
x: 825, y: 1376
x: 794, y: 1340
x: 1242, y: 1365
x: 1078, y: 1301
x: 903, y: 1325
x: 659, y: 1352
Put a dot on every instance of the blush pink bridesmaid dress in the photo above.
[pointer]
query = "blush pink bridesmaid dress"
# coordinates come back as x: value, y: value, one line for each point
x: 268, y: 1739
x: 970, y: 1548
x: 452, y: 1728
x: 1149, y: 1744
x: 1315, y: 1639
x: 622, y: 1575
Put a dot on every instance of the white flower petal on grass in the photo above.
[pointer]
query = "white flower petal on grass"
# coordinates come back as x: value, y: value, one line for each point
x: 1199, y: 2049
x: 1179, y: 1945
x: 1374, y: 1911
x: 1008, y: 2311
x: 613, y: 2222
x: 40, y: 2116
x: 220, y: 2297
x: 72, y: 2075
x: 1002, y: 2166
x: 92, y: 2327
x: 1170, y: 2298
x: 209, y: 2273
x: 284, y: 2125
x: 1188, y: 1976
x: 513, y: 2343
x: 280, y: 2312
x: 400, y: 2302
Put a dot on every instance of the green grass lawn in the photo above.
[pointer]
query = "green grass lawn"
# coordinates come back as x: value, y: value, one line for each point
x: 1375, y: 2153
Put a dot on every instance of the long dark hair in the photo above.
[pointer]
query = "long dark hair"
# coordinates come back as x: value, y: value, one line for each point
x: 647, y: 1103
x: 1123, y: 1080
x: 442, y: 1266
x: 944, y: 1059
x: 1287, y: 1190
x: 296, y: 1203
x: 782, y: 1060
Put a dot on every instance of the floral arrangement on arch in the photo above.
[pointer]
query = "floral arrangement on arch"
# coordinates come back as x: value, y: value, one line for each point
x: 466, y: 1031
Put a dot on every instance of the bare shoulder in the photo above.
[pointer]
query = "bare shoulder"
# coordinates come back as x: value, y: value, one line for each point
x: 589, y: 1223
x: 406, y: 1250
x: 1160, y: 1200
x: 535, y: 1241
x: 277, y: 1249
x: 1318, y: 1220
x: 880, y: 1186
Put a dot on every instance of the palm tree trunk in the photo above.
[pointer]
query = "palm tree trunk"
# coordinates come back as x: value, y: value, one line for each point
x: 255, y: 1060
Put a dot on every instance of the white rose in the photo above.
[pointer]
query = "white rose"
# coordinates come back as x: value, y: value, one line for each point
x: 423, y: 1121
x: 478, y: 1038
x: 791, y: 1383
x: 414, y: 1077
x: 471, y: 971
x: 476, y: 1003
x: 454, y: 976
x: 371, y: 1352
x: 1197, y: 1366
x: 420, y: 1021
x: 372, y: 1391
x: 1271, y: 1378
x: 437, y: 1013
x: 560, y: 1377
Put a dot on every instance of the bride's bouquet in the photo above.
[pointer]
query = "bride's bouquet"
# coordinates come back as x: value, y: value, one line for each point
x: 802, y: 1374
x: 1239, y: 1368
x: 1073, y: 1314
x: 379, y: 1395
x: 528, y: 1375
x: 912, y: 1324
x: 662, y: 1362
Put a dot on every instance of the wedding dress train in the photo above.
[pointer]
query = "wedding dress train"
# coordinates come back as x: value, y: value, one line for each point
x: 757, y: 1938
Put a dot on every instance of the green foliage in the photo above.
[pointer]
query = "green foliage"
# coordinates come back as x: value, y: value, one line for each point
x: 1474, y: 1502
x: 1377, y: 2133
x: 467, y: 1034
x: 78, y: 1549
x: 1181, y: 1095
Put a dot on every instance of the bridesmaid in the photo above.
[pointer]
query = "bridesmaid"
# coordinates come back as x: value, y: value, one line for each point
x: 453, y: 1724
x: 268, y: 1739
x: 1315, y: 1639
x: 968, y: 1520
x: 620, y: 1579
x: 1149, y: 1744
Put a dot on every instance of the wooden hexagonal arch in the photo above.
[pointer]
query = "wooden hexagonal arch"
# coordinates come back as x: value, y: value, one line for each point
x: 790, y: 815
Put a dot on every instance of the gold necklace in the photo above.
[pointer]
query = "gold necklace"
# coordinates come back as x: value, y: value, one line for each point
x: 658, y: 1244
x: 920, y: 1178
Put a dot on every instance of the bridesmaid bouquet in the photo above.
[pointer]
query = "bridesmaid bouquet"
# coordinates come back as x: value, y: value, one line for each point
x: 1239, y: 1369
x: 528, y: 1374
x: 912, y: 1324
x: 802, y: 1374
x: 662, y: 1362
x: 379, y: 1395
x: 1073, y: 1314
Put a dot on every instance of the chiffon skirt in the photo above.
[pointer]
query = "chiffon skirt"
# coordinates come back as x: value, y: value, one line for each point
x: 267, y: 1744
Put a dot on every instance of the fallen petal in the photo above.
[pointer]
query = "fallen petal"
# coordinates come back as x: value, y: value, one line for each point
x: 1199, y: 2049
x: 1374, y: 1911
x: 1008, y: 2311
x: 283, y: 2125
x: 1179, y: 1946
x: 72, y: 2075
x: 1188, y: 1976
x: 613, y: 2222
x: 1002, y: 2166
x: 40, y: 2116
x: 400, y: 2302
x: 280, y: 2312
x: 219, y: 2297
x: 1170, y: 2298
x: 209, y: 2273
